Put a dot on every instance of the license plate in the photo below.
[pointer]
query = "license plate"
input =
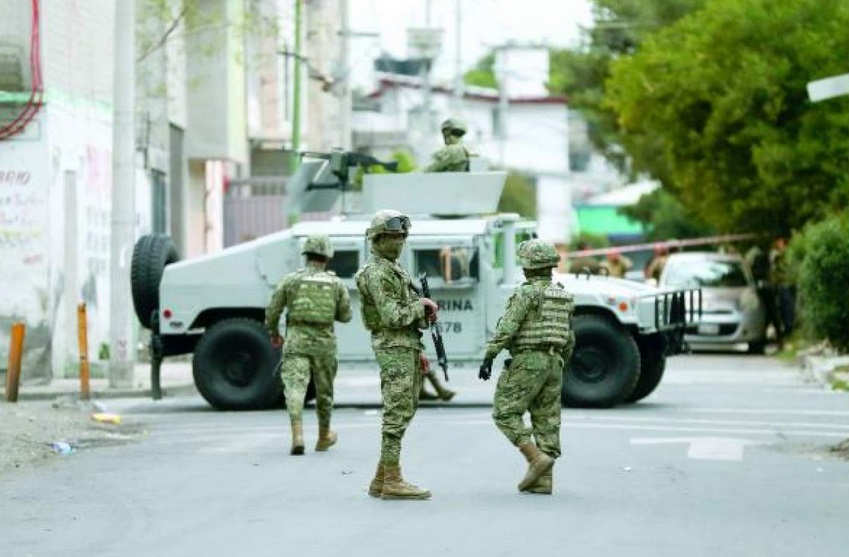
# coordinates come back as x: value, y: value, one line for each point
x: 708, y: 329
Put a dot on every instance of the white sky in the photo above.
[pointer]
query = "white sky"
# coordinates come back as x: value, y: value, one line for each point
x: 484, y: 24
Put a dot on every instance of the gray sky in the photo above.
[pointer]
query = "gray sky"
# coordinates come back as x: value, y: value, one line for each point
x: 485, y: 23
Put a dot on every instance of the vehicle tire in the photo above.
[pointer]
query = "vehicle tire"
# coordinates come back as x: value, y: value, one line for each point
x: 652, y: 366
x: 151, y: 254
x: 605, y: 365
x: 757, y: 347
x: 234, y: 366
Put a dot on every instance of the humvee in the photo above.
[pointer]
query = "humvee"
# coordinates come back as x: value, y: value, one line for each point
x: 213, y: 306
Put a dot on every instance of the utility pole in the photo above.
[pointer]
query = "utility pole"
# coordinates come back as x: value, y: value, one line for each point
x: 296, y: 94
x: 122, y: 346
x: 458, y: 61
x: 344, y: 90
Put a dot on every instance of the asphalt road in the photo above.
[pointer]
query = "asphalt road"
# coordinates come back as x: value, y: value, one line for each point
x: 729, y: 457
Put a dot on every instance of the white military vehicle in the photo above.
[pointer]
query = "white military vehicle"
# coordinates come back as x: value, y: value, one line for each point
x: 214, y: 305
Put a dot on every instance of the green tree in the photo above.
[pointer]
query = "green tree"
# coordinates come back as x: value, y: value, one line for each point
x: 664, y: 217
x: 619, y: 27
x: 518, y: 196
x: 483, y: 74
x: 715, y: 107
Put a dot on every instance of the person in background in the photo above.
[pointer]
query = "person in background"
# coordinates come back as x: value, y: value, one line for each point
x: 758, y: 261
x: 581, y: 262
x: 657, y: 262
x: 784, y: 287
x: 616, y: 263
x: 454, y: 156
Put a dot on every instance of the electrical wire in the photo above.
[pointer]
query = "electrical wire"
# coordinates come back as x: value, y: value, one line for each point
x: 36, y: 97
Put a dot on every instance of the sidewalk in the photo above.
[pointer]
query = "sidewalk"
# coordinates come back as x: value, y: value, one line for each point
x: 355, y: 386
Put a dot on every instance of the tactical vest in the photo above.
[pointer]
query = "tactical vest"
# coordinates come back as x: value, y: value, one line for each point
x: 368, y: 309
x: 549, y: 323
x: 314, y: 301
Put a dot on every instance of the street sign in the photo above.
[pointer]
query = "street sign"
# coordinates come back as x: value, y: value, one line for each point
x: 828, y: 88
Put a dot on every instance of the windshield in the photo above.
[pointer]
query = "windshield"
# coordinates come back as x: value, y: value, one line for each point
x: 705, y: 272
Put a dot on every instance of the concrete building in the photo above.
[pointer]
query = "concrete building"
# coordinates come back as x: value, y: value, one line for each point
x: 214, y: 97
x: 525, y: 133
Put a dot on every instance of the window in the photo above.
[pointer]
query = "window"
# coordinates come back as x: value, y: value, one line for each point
x: 450, y: 263
x: 344, y: 263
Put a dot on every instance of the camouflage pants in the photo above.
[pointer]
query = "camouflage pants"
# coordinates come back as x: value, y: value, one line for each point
x: 531, y: 384
x: 295, y: 372
x: 400, y: 382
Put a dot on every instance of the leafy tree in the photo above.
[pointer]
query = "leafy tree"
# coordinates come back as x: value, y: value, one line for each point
x: 665, y: 217
x: 619, y: 27
x: 483, y: 74
x: 820, y: 258
x: 715, y: 107
x: 518, y: 196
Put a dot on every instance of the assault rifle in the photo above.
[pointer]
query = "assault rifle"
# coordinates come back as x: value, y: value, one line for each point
x: 435, y: 333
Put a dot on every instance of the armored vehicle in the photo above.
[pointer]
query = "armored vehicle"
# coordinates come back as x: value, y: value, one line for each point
x: 213, y: 306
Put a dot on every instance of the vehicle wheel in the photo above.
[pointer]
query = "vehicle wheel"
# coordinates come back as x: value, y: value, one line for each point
x: 151, y: 254
x: 757, y: 347
x: 652, y: 366
x: 234, y: 366
x: 605, y: 365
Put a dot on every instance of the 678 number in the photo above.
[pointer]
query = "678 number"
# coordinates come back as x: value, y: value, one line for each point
x: 452, y: 327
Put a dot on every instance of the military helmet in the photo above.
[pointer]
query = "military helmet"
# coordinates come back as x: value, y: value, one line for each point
x: 388, y: 220
x: 453, y: 124
x: 537, y: 254
x: 318, y: 244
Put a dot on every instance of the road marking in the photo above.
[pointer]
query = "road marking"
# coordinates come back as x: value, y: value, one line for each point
x: 703, y: 448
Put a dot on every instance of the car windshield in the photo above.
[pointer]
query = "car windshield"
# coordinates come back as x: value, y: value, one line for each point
x: 705, y: 272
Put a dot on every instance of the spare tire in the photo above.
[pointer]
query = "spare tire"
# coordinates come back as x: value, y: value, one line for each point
x: 151, y: 254
x: 605, y: 365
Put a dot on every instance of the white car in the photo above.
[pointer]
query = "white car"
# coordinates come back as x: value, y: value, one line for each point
x: 732, y: 312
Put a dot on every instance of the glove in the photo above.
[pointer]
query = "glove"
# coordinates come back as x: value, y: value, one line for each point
x: 485, y: 371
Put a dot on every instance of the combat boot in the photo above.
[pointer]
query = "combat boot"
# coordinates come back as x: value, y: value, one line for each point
x: 443, y: 393
x: 544, y: 484
x: 297, y: 438
x: 424, y: 394
x: 394, y: 486
x: 538, y: 464
x: 326, y: 438
x: 375, y: 488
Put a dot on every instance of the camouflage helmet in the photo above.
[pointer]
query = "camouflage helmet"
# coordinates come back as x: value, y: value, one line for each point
x: 387, y: 220
x: 537, y: 254
x: 318, y: 244
x: 453, y: 124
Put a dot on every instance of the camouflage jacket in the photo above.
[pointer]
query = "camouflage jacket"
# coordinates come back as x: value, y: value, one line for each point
x: 302, y: 338
x: 390, y: 305
x: 519, y: 308
x: 451, y: 158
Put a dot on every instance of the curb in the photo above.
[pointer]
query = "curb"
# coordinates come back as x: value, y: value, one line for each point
x: 178, y: 390
x: 821, y: 369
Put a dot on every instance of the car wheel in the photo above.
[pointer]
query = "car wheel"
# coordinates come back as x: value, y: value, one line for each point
x: 234, y: 366
x: 652, y: 366
x: 757, y: 347
x: 605, y: 365
x: 151, y: 254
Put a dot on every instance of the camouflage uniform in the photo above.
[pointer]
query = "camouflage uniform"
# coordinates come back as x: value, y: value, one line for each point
x: 315, y: 298
x: 393, y: 313
x: 536, y: 329
x: 454, y: 156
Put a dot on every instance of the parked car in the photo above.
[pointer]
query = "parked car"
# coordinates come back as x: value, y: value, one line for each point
x: 732, y: 313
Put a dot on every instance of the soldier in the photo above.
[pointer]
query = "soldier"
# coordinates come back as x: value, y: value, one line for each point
x: 394, y: 314
x: 616, y: 263
x: 454, y: 156
x: 315, y: 298
x: 536, y: 329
